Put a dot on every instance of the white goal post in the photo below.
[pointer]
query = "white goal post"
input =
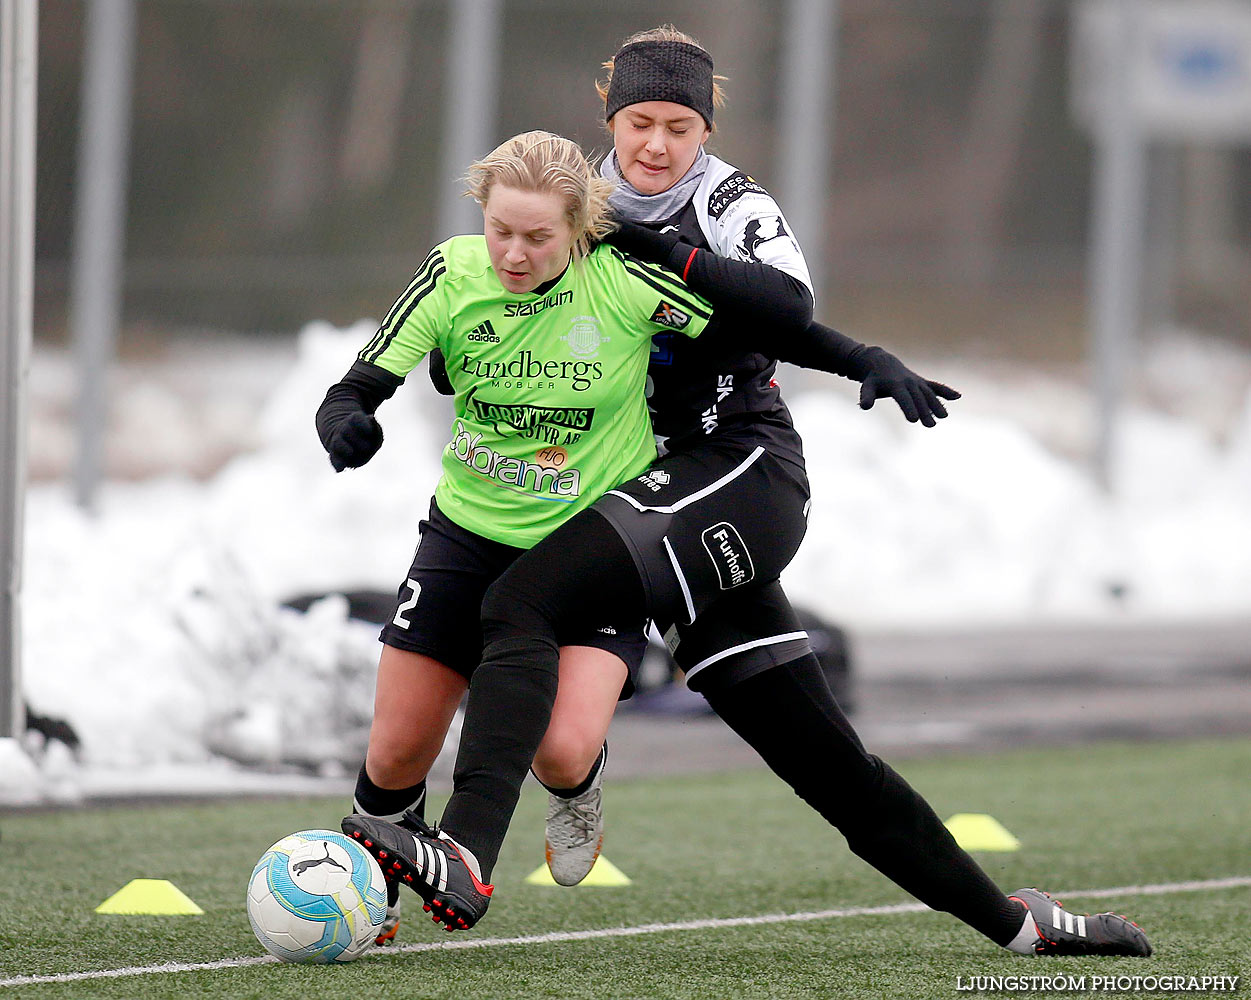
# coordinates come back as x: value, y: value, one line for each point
x: 18, y: 61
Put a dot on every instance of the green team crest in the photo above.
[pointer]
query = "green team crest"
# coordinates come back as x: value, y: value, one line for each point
x: 584, y: 337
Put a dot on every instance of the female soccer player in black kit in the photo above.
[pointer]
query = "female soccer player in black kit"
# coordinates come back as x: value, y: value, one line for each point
x: 697, y: 544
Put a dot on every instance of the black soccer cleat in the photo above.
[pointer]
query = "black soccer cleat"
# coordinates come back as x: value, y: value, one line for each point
x: 1063, y: 933
x: 429, y: 863
x: 391, y: 922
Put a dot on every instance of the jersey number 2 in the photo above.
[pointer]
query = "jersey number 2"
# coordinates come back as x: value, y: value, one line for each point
x: 408, y: 605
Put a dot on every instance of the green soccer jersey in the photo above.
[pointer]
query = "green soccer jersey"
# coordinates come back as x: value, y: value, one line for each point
x: 549, y: 388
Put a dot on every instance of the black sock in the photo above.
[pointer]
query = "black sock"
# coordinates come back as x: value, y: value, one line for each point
x: 903, y: 838
x: 387, y: 803
x: 791, y: 719
x: 580, y: 573
x: 573, y: 793
x: 516, y: 681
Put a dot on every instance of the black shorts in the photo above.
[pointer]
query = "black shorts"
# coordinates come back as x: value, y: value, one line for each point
x: 437, y: 607
x: 741, y: 634
x: 710, y: 530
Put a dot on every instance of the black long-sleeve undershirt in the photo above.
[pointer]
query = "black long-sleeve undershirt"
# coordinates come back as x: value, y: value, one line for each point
x: 823, y: 348
x: 755, y: 292
x: 364, y: 388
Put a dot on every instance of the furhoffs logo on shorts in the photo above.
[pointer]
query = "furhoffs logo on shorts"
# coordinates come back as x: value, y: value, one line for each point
x: 729, y: 555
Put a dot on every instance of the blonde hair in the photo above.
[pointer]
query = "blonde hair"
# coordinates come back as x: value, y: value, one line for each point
x: 663, y: 33
x: 548, y: 164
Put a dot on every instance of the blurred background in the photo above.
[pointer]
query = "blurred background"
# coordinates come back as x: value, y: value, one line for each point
x: 977, y: 187
x: 285, y: 161
x: 289, y: 161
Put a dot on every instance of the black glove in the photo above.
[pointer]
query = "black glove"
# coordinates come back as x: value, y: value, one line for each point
x: 438, y: 373
x: 882, y: 374
x: 639, y: 241
x: 354, y: 441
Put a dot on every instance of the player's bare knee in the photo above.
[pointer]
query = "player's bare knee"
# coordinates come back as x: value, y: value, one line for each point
x: 566, y: 757
x: 398, y: 763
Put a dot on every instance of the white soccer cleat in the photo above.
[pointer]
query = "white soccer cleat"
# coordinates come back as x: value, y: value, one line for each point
x: 390, y: 923
x: 575, y: 832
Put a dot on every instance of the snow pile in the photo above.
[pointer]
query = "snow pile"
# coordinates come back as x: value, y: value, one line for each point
x: 976, y: 522
x: 157, y: 627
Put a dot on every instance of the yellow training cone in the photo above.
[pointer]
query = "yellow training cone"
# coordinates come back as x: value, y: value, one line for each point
x: 980, y: 832
x: 149, y: 896
x: 603, y: 873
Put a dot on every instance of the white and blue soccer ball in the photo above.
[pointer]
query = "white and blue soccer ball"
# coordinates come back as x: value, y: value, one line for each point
x: 316, y: 896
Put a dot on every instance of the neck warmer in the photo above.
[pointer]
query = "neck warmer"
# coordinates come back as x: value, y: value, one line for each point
x: 638, y: 207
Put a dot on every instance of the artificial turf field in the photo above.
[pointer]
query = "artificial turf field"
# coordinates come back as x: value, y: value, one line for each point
x: 700, y: 851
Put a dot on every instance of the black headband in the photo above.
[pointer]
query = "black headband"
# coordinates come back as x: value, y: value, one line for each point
x: 661, y: 71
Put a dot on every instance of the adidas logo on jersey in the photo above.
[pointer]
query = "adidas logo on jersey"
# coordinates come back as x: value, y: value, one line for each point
x: 484, y: 333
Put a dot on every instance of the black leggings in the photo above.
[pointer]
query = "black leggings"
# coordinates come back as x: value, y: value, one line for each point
x: 886, y: 822
x: 816, y: 751
x: 584, y: 573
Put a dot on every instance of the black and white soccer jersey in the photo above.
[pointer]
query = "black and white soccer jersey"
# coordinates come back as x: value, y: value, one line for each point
x: 717, y: 518
x: 720, y: 385
x: 741, y: 220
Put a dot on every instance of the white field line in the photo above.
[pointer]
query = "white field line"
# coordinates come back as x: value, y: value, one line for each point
x: 557, y: 937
